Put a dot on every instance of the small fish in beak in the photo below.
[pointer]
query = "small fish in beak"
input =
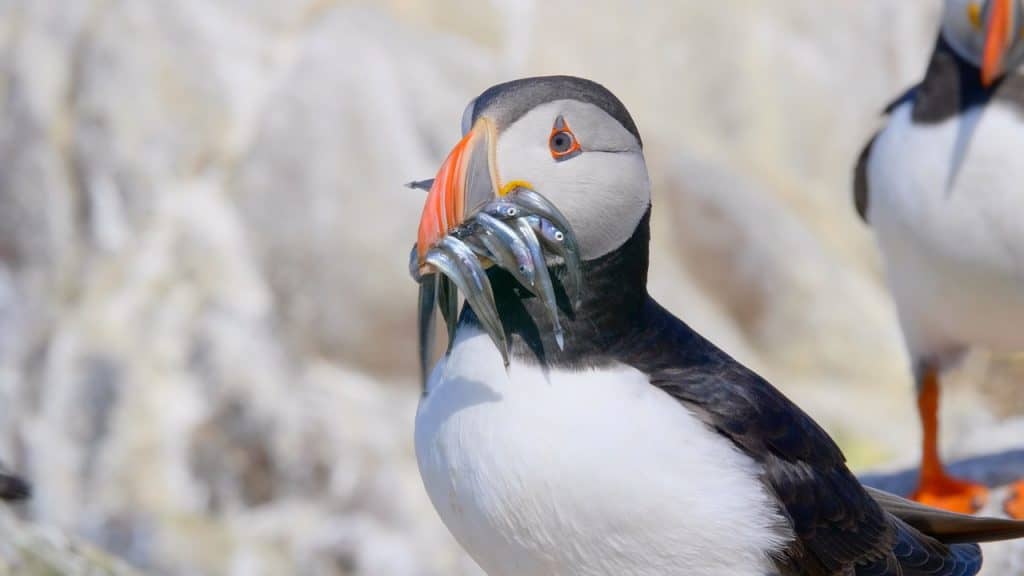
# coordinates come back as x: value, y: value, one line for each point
x: 564, y: 246
x: 511, y: 251
x: 455, y: 260
x: 547, y: 290
x: 515, y: 241
x: 467, y: 226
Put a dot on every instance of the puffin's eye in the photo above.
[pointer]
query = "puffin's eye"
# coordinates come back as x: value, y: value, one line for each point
x: 562, y: 142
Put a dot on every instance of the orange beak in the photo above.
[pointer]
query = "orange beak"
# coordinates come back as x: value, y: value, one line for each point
x: 464, y: 183
x: 998, y: 39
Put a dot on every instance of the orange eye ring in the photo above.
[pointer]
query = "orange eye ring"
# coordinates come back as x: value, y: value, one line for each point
x: 562, y: 142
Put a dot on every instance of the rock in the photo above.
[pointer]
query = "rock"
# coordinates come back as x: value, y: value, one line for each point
x: 29, y: 550
x: 322, y: 181
x: 157, y: 387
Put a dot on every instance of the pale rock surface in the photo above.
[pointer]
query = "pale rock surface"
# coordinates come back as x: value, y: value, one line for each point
x: 26, y: 550
x: 206, y: 326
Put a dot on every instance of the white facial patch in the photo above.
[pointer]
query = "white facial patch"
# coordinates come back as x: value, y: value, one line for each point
x: 965, y: 36
x: 604, y: 191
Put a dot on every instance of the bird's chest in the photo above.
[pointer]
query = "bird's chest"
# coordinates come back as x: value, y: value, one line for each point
x: 947, y: 202
x: 593, y: 472
x: 956, y: 184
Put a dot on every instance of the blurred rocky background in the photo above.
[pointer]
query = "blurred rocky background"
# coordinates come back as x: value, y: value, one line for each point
x: 206, y: 326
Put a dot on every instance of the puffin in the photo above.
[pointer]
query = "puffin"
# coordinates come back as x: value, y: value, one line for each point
x: 610, y: 438
x: 939, y: 186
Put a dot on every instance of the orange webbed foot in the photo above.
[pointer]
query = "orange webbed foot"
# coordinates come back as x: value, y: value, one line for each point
x: 951, y: 494
x: 1014, y: 505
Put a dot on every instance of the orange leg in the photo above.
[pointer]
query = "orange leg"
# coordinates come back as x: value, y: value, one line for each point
x: 935, y: 487
x: 1015, y: 504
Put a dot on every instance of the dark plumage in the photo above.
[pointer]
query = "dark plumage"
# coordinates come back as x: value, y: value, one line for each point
x: 507, y: 102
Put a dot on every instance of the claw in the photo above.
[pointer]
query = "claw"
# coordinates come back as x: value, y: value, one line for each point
x: 547, y: 290
x: 456, y: 261
x: 557, y: 241
x: 428, y: 293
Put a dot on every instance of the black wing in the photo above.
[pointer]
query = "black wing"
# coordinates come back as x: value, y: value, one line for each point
x: 947, y: 527
x: 840, y: 527
x: 836, y: 524
x: 918, y: 555
x: 860, y: 181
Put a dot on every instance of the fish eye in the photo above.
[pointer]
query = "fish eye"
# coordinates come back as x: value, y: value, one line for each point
x: 563, y: 142
x: 559, y: 236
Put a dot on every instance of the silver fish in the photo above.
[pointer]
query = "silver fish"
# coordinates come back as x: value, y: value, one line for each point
x: 477, y: 245
x: 455, y: 260
x: 557, y: 241
x: 533, y: 203
x: 502, y: 209
x: 448, y: 301
x: 536, y: 204
x: 414, y: 265
x: 524, y: 263
x: 425, y: 326
x: 547, y: 290
x: 502, y: 255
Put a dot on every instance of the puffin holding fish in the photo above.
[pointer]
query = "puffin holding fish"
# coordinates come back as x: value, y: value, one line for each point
x: 574, y: 425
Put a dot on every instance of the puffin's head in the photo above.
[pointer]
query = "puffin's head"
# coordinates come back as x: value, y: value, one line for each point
x: 567, y: 138
x: 986, y: 33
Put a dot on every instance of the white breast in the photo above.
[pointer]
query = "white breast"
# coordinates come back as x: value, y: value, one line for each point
x: 947, y: 207
x: 588, y: 473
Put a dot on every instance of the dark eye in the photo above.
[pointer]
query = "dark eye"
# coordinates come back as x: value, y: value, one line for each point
x: 562, y: 142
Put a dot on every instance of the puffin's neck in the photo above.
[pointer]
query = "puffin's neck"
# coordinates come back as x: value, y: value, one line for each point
x: 612, y: 301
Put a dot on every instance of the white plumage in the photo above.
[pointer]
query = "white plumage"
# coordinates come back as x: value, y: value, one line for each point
x: 947, y: 207
x: 591, y: 473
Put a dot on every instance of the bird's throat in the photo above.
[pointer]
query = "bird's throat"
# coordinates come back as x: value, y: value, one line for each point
x: 612, y: 297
